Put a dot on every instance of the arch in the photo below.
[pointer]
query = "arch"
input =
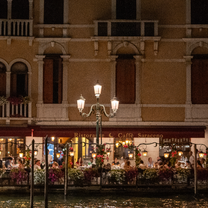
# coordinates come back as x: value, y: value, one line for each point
x: 20, y: 60
x: 126, y: 44
x: 52, y: 44
x: 195, y: 45
x: 5, y: 63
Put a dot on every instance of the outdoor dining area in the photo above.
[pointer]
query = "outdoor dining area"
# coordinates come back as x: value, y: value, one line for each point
x: 98, y: 171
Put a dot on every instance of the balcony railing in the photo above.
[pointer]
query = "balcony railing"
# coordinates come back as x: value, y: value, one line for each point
x: 9, y: 110
x: 126, y: 28
x: 16, y: 27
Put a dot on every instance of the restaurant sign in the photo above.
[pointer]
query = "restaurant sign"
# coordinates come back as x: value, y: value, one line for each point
x: 120, y: 135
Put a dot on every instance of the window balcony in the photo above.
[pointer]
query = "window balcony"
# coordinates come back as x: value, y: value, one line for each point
x: 11, y: 111
x: 144, y: 28
x: 16, y: 27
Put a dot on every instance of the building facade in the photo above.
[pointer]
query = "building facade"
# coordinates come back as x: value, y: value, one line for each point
x: 152, y: 55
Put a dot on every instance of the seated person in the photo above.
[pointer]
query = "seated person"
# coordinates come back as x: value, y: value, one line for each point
x: 79, y: 162
x: 8, y: 162
x: 115, y: 162
x: 141, y: 165
x: 20, y: 164
x: 127, y: 165
x: 199, y: 165
x: 150, y: 163
x: 55, y: 165
x: 37, y: 165
x: 188, y: 165
x: 156, y: 165
x: 124, y: 162
x: 91, y: 162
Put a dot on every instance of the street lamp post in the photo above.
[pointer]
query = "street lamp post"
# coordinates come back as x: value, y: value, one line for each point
x: 98, y: 109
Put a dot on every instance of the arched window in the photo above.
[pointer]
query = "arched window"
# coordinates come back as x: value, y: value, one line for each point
x: 2, y: 79
x: 19, y: 79
x: 20, y: 9
x: 126, y: 79
x: 52, y: 79
x: 53, y: 11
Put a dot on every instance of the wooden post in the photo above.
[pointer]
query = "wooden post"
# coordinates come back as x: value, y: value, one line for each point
x: 46, y: 174
x: 195, y: 170
x: 32, y: 176
x: 66, y: 170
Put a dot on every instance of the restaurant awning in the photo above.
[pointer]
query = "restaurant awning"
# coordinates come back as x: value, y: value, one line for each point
x: 116, y: 132
x: 124, y: 132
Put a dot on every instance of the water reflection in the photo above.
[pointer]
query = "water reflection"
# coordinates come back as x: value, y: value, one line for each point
x: 105, y: 201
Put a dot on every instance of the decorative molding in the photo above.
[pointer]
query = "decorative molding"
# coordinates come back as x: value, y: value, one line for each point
x: 163, y: 60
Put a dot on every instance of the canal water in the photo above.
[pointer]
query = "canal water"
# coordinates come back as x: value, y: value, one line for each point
x: 80, y: 200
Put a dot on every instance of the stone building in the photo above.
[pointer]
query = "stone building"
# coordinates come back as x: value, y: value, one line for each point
x: 152, y: 55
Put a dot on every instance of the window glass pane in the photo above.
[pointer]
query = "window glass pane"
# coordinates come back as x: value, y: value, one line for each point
x: 20, y: 9
x: 199, y: 14
x: 53, y: 11
x: 3, y: 9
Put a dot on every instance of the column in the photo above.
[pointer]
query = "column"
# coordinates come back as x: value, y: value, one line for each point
x: 113, y: 9
x: 9, y: 15
x: 65, y: 78
x: 30, y: 9
x: 188, y: 115
x: 113, y: 75
x: 138, y: 86
x: 8, y: 81
x: 41, y: 18
x: 9, y: 7
x: 29, y: 94
x: 40, y: 77
x: 188, y: 18
x: 138, y: 9
x: 31, y: 17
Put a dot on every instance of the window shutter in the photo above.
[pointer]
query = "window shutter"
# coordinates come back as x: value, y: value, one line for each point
x: 48, y: 81
x: 199, y: 81
x: 125, y: 81
x: 13, y: 90
x: 60, y: 75
x: 2, y: 84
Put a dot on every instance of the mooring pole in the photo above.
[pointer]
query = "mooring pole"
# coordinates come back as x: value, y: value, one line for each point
x: 66, y: 170
x: 46, y: 174
x: 32, y: 176
x: 195, y: 170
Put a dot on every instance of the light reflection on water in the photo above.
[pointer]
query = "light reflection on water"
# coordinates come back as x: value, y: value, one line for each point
x: 81, y: 200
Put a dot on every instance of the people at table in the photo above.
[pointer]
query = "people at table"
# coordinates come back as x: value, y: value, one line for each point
x: 150, y: 163
x: 20, y: 164
x: 115, y: 162
x: 37, y: 165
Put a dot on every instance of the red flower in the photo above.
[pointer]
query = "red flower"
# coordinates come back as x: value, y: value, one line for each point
x: 139, y: 154
x: 205, y: 154
x: 71, y: 163
x: 102, y: 160
x: 102, y: 149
